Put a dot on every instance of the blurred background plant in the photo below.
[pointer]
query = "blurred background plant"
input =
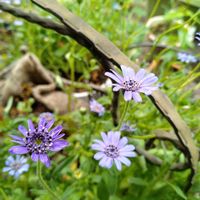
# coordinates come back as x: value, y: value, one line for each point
x: 151, y: 33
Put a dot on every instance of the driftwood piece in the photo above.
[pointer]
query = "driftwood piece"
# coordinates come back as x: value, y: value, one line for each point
x: 109, y: 54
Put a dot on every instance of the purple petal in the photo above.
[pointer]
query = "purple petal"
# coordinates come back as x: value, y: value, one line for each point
x: 49, y: 124
x: 149, y: 76
x: 115, y: 138
x: 99, y: 155
x: 128, y: 72
x: 117, y: 75
x: 124, y: 160
x: 58, y: 136
x: 31, y: 126
x: 102, y: 162
x: 136, y: 97
x: 117, y: 87
x: 114, y: 77
x: 17, y: 139
x: 128, y: 154
x: 128, y: 95
x: 97, y: 147
x: 45, y: 159
x: 109, y: 163
x: 41, y: 124
x: 140, y: 75
x: 122, y: 142
x: 149, y: 81
x: 100, y: 143
x: 23, y: 130
x: 118, y: 164
x: 35, y: 157
x: 127, y: 148
x: 105, y: 138
x: 58, y: 145
x: 56, y: 130
x: 18, y: 150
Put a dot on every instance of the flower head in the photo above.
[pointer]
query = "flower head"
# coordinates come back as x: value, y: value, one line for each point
x: 126, y: 126
x: 47, y: 115
x: 197, y: 38
x: 38, y: 141
x: 16, y: 166
x: 113, y: 150
x: 186, y: 57
x: 133, y: 83
x: 96, y: 107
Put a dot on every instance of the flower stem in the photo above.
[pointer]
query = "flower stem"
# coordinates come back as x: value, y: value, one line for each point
x: 143, y: 137
x: 43, y: 183
x: 123, y: 115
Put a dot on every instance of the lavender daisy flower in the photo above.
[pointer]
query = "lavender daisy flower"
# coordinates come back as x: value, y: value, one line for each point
x: 113, y: 150
x: 126, y: 126
x: 47, y: 115
x: 186, y: 57
x: 133, y: 83
x: 16, y: 166
x: 97, y: 107
x: 38, y: 141
x: 197, y: 38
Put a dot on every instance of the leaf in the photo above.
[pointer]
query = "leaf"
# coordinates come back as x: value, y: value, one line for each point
x: 178, y: 191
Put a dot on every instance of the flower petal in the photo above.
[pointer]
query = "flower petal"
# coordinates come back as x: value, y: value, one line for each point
x: 23, y: 130
x: 56, y: 130
x: 102, y: 162
x: 105, y: 138
x: 49, y: 124
x: 35, y: 157
x: 124, y: 160
x: 99, y: 155
x: 128, y: 72
x: 127, y: 148
x: 41, y: 124
x: 136, y: 97
x: 118, y: 164
x: 18, y: 150
x: 128, y: 154
x: 109, y: 162
x: 97, y: 147
x: 114, y: 77
x: 127, y: 95
x: 45, y: 159
x: 140, y: 75
x: 115, y: 138
x: 58, y: 145
x: 31, y: 127
x: 122, y: 142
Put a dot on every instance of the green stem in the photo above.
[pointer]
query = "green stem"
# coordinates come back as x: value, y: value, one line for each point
x: 123, y: 115
x: 43, y: 183
x: 143, y: 137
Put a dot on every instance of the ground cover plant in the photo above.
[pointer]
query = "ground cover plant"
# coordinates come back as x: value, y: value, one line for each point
x: 83, y: 116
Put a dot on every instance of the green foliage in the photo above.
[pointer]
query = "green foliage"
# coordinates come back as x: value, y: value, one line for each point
x: 74, y: 173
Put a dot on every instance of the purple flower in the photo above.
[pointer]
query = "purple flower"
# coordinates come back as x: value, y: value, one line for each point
x: 186, y: 57
x: 133, y: 83
x: 16, y: 166
x: 113, y: 150
x: 96, y: 107
x: 127, y: 127
x: 47, y: 115
x: 38, y: 141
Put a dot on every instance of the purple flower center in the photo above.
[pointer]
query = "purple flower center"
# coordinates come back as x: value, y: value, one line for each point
x: 112, y: 151
x: 131, y: 85
x: 16, y: 165
x: 38, y: 142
